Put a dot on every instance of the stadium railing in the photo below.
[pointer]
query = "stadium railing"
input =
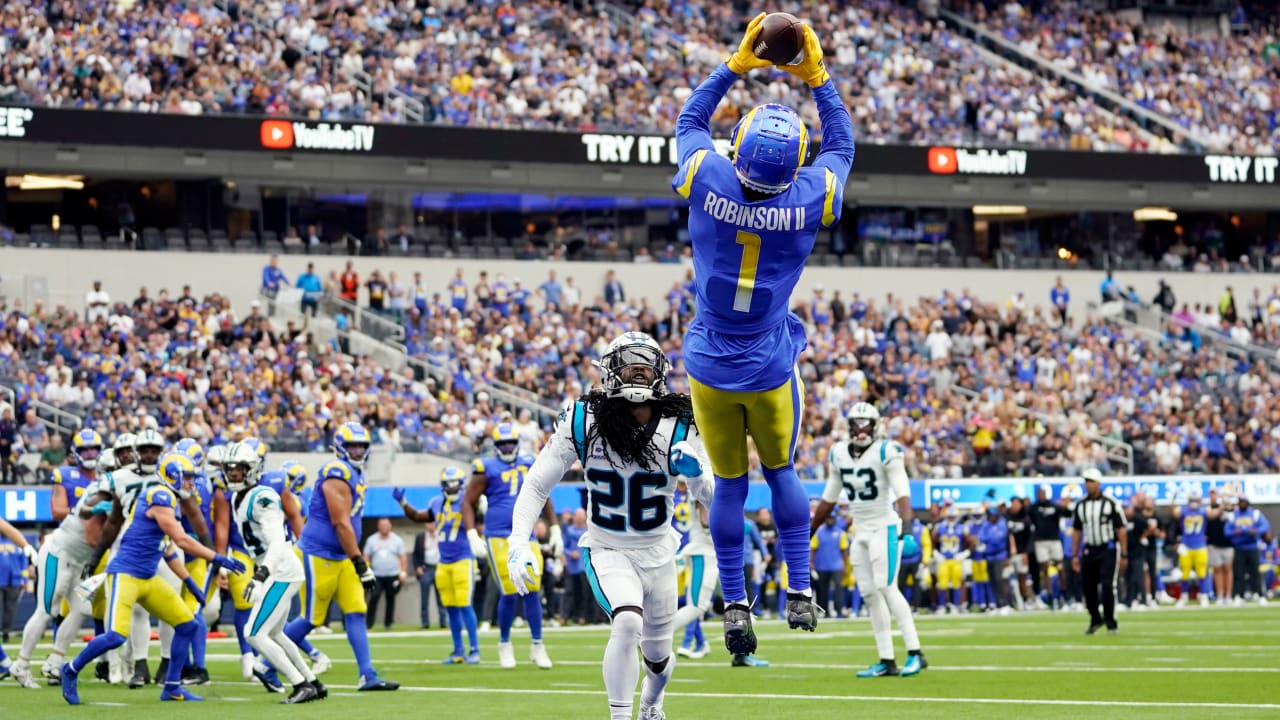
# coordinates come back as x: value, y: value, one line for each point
x: 1105, y: 98
x: 55, y: 419
x: 1155, y: 320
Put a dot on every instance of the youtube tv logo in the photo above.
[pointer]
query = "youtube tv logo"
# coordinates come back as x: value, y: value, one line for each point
x: 942, y: 160
x: 277, y: 134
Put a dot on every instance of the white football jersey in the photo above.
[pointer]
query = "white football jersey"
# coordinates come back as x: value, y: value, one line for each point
x: 871, y: 481
x: 260, y: 518
x: 628, y: 507
x: 125, y: 485
x: 699, y: 536
x: 68, y: 541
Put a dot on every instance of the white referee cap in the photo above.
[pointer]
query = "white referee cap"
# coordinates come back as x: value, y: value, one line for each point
x: 1091, y: 475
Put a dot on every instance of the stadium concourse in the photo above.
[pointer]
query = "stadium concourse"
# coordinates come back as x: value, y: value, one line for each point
x: 908, y: 76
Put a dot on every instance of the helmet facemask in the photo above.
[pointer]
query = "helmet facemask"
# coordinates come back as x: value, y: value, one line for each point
x: 634, y: 372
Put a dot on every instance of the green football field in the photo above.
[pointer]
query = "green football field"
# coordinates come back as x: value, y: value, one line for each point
x: 1183, y: 663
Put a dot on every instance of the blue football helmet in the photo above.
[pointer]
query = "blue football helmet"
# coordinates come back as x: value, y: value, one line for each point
x: 86, y: 448
x: 296, y: 476
x: 176, y: 471
x: 350, y: 436
x: 192, y: 449
x: 770, y: 144
x: 506, y: 441
x: 451, y: 481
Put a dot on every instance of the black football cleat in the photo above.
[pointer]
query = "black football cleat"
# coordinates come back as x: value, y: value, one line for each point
x: 302, y: 692
x: 739, y: 636
x: 141, y: 675
x: 102, y: 671
x: 322, y: 692
x: 162, y: 671
x: 192, y: 675
x: 1093, y: 628
x: 802, y: 612
x: 271, y: 683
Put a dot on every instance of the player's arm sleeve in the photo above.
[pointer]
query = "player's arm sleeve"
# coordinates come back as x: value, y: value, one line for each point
x: 831, y: 493
x: 555, y: 459
x: 693, y: 126
x: 896, y: 466
x: 837, y: 132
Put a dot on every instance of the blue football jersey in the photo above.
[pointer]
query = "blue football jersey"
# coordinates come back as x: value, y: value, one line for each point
x: 502, y: 483
x: 748, y: 255
x: 453, y: 543
x: 73, y: 480
x: 141, y: 539
x: 682, y: 516
x: 318, y: 536
x: 203, y: 493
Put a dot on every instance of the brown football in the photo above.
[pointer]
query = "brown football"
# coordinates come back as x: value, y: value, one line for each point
x: 781, y: 39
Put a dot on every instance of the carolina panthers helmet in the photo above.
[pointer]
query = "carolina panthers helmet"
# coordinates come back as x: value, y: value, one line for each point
x: 194, y: 452
x: 86, y: 448
x: 770, y: 144
x: 295, y: 475
x: 107, y: 461
x: 621, y: 367
x: 213, y: 465
x: 506, y: 441
x: 240, y: 467
x: 147, y: 448
x: 451, y: 481
x: 351, y: 437
x: 123, y: 450
x: 864, y: 420
x: 175, y: 470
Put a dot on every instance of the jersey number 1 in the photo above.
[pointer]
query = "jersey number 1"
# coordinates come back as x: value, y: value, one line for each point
x: 750, y: 243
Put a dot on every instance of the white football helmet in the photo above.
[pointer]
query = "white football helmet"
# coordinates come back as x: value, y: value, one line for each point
x: 148, y: 446
x: 241, y: 467
x: 123, y: 450
x: 634, y: 368
x: 864, y: 421
x: 213, y: 460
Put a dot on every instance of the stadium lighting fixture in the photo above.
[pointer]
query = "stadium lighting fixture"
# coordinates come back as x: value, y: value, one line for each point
x: 44, y: 182
x: 1154, y: 214
x: 999, y: 210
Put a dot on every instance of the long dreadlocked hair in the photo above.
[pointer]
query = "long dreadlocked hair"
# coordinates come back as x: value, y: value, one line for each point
x: 616, y: 427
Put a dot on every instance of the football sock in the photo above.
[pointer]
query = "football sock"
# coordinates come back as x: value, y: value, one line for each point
x: 533, y: 615
x: 100, y: 645
x: 455, y: 628
x: 856, y: 604
x: 621, y: 665
x: 199, y: 641
x: 99, y: 626
x: 655, y: 681
x: 297, y: 631
x: 900, y: 609
x: 880, y: 623
x: 242, y: 617
x: 358, y: 638
x: 469, y: 619
x: 791, y: 514
x: 139, y: 633
x: 690, y: 633
x: 506, y: 616
x: 728, y: 531
x: 182, y: 635
x: 698, y: 634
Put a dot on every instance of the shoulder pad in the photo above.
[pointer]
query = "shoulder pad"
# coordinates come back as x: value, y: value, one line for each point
x: 479, y: 466
x: 335, y: 470
x: 162, y: 496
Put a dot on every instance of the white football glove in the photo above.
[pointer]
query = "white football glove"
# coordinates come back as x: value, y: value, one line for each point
x: 478, y: 548
x: 555, y: 540
x: 1182, y: 549
x: 30, y: 552
x: 520, y: 564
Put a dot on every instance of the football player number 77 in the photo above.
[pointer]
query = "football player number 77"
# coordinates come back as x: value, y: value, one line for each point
x: 750, y: 243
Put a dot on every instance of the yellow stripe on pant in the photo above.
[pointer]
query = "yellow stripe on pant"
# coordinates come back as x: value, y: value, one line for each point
x: 498, y: 565
x: 328, y: 580
x: 154, y: 594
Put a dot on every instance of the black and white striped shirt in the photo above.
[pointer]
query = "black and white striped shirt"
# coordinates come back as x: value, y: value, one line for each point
x: 1097, y: 519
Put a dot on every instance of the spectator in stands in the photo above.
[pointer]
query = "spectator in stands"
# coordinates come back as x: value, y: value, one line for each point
x: 273, y: 278
x: 312, y: 289
x: 97, y: 302
x: 1060, y: 296
x: 377, y: 288
x: 8, y: 440
x: 613, y: 292
x: 349, y: 284
x: 51, y: 458
x: 403, y: 239
x: 551, y: 290
x: 33, y: 434
x: 312, y: 236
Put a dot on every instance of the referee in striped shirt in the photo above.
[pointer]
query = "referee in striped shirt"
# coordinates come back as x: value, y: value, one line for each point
x: 1098, y: 551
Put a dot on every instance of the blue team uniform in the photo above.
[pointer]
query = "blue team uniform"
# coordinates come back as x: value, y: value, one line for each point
x: 502, y: 483
x: 682, y: 516
x: 457, y: 564
x: 197, y: 568
x: 329, y: 574
x: 1194, y: 557
x: 73, y: 480
x: 951, y: 542
x: 131, y: 573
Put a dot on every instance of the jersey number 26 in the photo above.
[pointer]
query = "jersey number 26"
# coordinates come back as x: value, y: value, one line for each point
x: 620, y: 504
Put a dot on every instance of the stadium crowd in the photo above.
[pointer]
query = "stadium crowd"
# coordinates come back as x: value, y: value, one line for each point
x: 971, y: 387
x: 629, y: 66
x: 1221, y: 88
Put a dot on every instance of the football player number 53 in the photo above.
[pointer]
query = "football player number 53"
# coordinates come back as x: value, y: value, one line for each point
x: 869, y: 490
x: 750, y: 243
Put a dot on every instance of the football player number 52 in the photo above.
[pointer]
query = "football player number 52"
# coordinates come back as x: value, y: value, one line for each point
x: 750, y: 243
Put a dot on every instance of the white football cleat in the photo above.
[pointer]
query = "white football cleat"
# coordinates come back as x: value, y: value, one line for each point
x: 1182, y: 601
x: 538, y: 656
x: 1262, y: 600
x: 1204, y: 601
x: 21, y: 671
x: 701, y: 651
x: 116, y: 668
x: 51, y: 671
x: 506, y: 656
x: 321, y: 664
x: 246, y: 666
x: 652, y: 712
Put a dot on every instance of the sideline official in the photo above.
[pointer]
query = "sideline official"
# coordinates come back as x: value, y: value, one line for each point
x: 1098, y: 551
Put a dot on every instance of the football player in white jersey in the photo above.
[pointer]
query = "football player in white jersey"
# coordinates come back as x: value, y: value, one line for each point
x: 61, y: 560
x: 700, y: 558
x: 633, y: 439
x: 277, y: 576
x: 871, y: 474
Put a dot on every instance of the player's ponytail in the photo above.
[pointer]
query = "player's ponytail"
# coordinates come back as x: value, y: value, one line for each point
x: 630, y: 442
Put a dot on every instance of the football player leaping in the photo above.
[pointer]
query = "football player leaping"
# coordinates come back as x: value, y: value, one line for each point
x: 633, y: 440
x: 871, y: 474
x: 277, y: 575
x: 752, y: 222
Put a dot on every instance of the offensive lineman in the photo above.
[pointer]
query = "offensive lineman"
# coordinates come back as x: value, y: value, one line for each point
x: 872, y: 476
x: 633, y: 440
x: 277, y: 575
